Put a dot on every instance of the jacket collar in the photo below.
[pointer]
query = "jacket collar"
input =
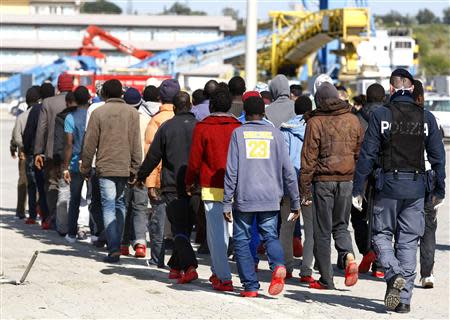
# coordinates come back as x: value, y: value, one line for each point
x: 166, y: 107
x: 120, y: 100
x: 402, y: 96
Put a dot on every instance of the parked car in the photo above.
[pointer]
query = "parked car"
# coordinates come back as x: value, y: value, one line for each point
x: 439, y: 105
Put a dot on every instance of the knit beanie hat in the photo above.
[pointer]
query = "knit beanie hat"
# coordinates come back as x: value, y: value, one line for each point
x: 254, y: 105
x: 168, y: 90
x: 132, y: 97
x: 249, y: 94
x: 65, y: 82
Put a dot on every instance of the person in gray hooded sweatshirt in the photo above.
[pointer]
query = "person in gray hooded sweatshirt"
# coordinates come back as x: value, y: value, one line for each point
x: 282, y: 108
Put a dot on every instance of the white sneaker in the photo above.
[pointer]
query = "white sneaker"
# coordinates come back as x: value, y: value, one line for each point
x: 69, y: 239
x: 427, y: 282
x: 93, y: 239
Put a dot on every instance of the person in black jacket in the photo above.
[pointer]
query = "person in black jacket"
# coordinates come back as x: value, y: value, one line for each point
x: 171, y: 145
x: 35, y: 177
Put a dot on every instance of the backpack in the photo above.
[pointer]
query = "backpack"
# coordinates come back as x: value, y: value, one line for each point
x: 59, y: 142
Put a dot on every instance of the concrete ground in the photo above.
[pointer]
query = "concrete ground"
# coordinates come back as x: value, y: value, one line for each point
x: 71, y: 281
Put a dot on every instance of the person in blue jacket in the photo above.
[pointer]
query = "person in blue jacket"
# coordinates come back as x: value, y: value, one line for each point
x: 257, y: 174
x: 293, y: 132
x: 398, y: 135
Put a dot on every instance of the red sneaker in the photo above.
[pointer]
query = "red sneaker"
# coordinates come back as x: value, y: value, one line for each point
x: 30, y: 221
x: 189, y: 276
x: 351, y: 273
x: 45, y: 225
x: 317, y: 285
x: 223, y: 285
x: 213, y: 279
x: 366, y: 262
x: 175, y: 274
x: 306, y: 279
x: 378, y: 274
x: 298, y: 247
x: 249, y: 294
x: 124, y: 250
x: 140, y: 250
x: 277, y: 283
x: 288, y: 275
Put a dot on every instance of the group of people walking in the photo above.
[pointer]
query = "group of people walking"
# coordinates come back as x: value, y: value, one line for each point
x: 241, y: 168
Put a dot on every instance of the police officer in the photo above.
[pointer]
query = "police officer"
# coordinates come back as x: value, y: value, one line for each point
x: 393, y: 150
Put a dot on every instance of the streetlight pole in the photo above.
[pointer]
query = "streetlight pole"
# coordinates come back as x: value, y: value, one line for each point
x: 250, y: 46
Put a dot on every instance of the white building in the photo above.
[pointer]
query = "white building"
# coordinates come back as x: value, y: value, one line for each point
x: 384, y: 53
x: 29, y: 40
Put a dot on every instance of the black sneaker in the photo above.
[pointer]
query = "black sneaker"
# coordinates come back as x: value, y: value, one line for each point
x: 203, y: 249
x: 403, y: 308
x: 112, y: 259
x: 394, y: 286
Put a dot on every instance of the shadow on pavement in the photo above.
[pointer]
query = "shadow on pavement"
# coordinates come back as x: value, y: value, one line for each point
x: 337, y: 299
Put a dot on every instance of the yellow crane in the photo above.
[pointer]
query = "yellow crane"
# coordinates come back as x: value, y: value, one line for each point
x: 298, y: 34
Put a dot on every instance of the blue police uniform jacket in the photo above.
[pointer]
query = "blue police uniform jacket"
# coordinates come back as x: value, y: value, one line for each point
x: 403, y: 185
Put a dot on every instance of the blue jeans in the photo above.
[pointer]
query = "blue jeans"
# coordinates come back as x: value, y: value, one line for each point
x: 137, y: 216
x: 112, y: 191
x: 35, y: 183
x: 267, y: 223
x: 76, y: 184
x: 254, y: 242
x: 218, y: 237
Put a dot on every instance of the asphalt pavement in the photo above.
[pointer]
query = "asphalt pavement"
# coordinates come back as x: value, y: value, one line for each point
x: 71, y: 281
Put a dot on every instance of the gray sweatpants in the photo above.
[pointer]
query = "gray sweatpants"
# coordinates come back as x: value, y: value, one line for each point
x: 332, y: 201
x: 404, y: 221
x: 287, y: 234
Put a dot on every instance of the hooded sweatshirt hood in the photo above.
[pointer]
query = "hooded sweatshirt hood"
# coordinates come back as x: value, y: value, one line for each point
x: 279, y: 86
x: 149, y: 108
x: 220, y: 118
x: 296, y: 126
x: 282, y: 108
x: 327, y: 100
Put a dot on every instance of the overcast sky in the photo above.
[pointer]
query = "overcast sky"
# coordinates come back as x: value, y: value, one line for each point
x: 214, y: 7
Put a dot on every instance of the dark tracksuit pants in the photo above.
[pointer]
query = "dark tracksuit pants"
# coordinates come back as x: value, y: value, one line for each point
x: 428, y: 242
x: 404, y: 221
x: 21, y: 189
x: 181, y: 214
x: 360, y: 223
x: 332, y: 201
x: 96, y: 224
x: 52, y: 173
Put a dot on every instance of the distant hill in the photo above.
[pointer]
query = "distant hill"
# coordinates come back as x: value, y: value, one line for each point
x: 434, y: 48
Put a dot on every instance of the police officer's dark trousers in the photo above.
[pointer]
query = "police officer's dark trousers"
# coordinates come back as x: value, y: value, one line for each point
x: 402, y: 219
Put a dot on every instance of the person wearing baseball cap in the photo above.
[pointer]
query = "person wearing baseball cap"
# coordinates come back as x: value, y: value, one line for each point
x: 393, y: 149
x: 258, y: 159
x: 168, y: 89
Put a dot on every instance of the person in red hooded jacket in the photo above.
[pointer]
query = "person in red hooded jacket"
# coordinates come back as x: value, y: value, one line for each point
x: 207, y: 162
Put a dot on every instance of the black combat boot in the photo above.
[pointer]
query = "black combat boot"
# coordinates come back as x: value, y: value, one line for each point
x: 394, y: 286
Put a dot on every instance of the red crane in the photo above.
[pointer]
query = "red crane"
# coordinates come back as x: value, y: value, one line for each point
x: 89, y: 49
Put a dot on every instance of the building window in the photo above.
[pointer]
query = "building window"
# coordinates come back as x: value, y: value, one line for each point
x: 403, y: 45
